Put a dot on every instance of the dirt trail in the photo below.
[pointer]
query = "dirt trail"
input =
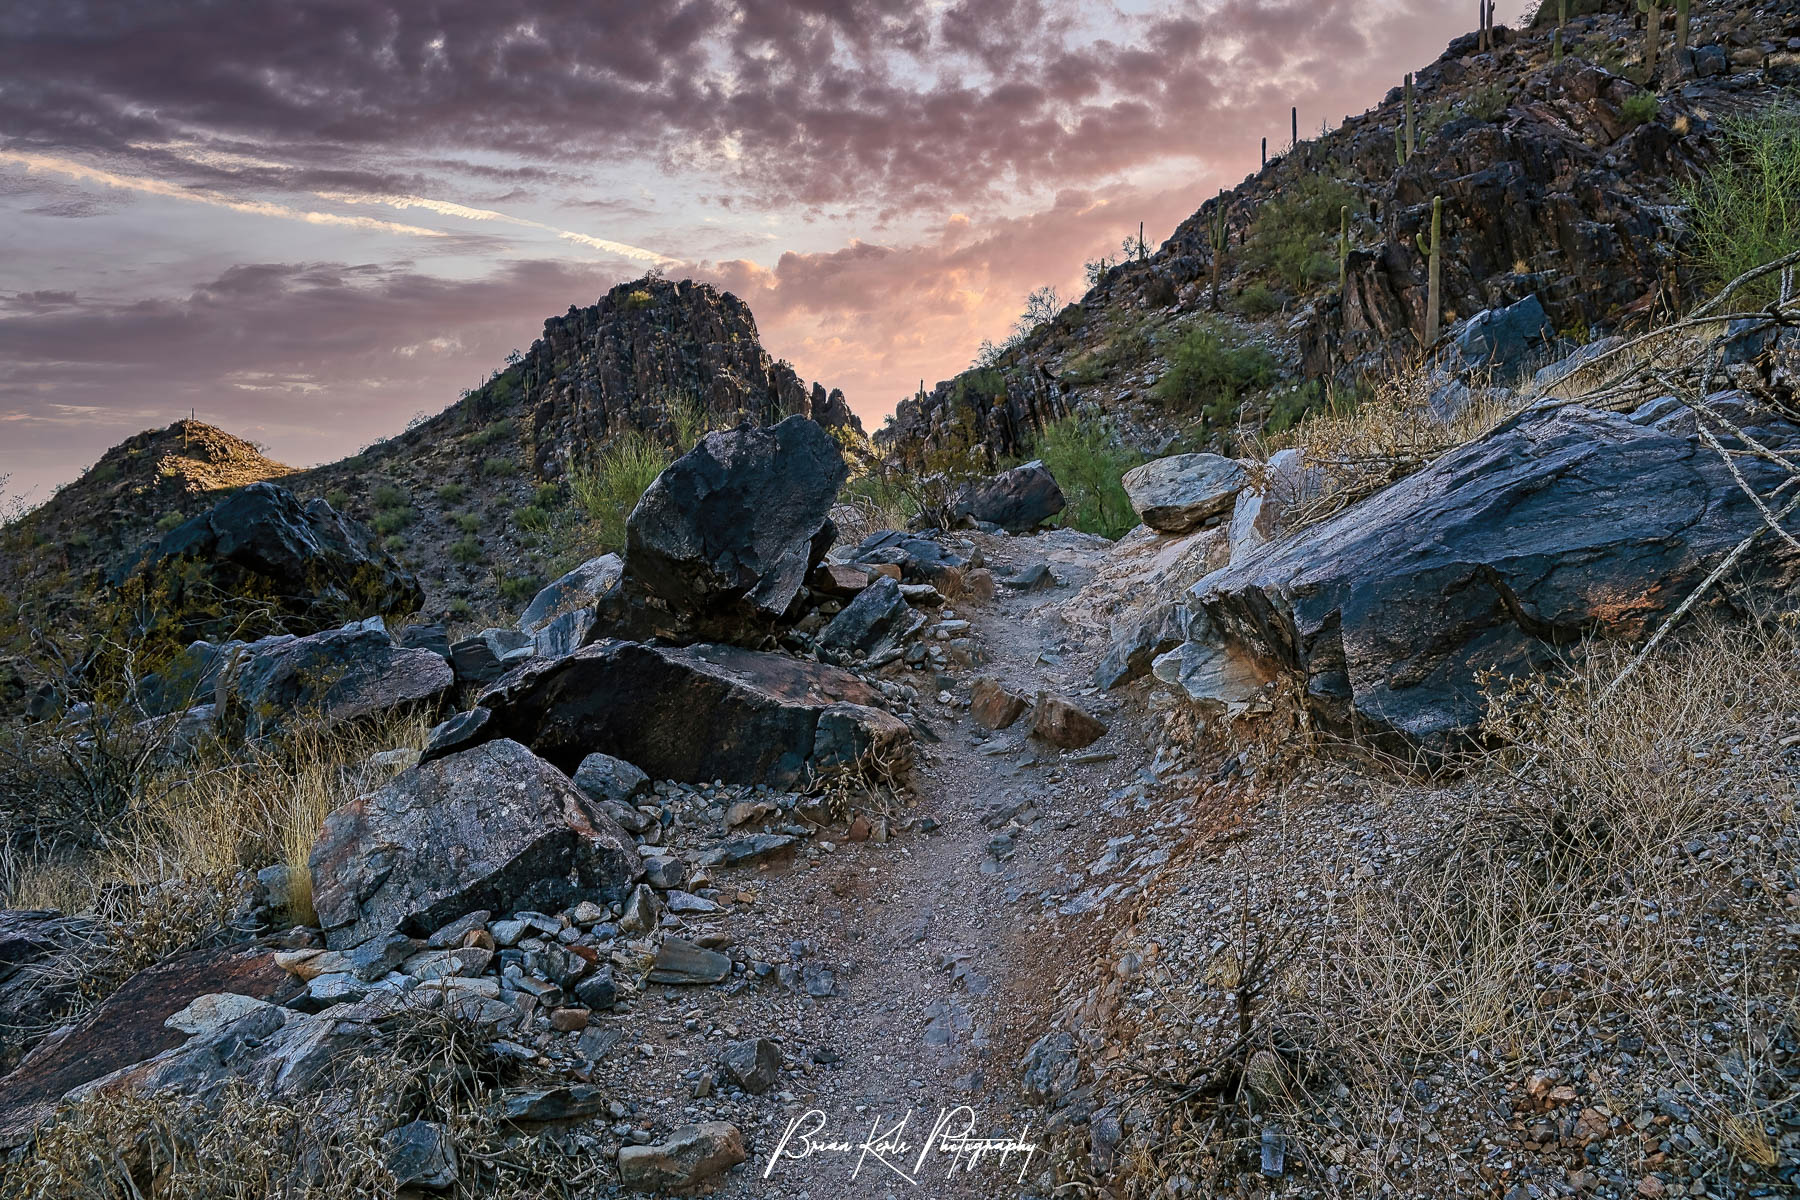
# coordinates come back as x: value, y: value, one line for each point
x: 946, y: 945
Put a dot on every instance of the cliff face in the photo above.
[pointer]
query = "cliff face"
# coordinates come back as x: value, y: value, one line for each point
x: 647, y: 348
x: 1559, y: 178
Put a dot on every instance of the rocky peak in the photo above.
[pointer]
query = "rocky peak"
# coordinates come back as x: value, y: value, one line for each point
x: 645, y: 350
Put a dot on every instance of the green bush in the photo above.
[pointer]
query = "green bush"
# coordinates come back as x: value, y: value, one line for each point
x: 1258, y: 300
x: 1486, y: 102
x: 338, y: 498
x: 1641, y: 108
x: 169, y: 521
x: 387, y: 496
x: 499, y: 467
x: 1210, y: 371
x: 1087, y: 465
x: 468, y: 522
x: 468, y: 550
x: 451, y: 494
x: 517, y: 589
x: 1745, y: 211
x: 1292, y: 231
x: 547, y: 496
x: 607, y: 489
x: 394, y: 544
x: 487, y: 435
x: 533, y: 518
x: 392, y: 520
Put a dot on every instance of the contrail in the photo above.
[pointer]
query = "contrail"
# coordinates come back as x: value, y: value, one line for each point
x: 450, y: 209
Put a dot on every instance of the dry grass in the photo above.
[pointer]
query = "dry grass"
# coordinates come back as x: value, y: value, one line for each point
x: 1380, y: 440
x: 1615, y: 872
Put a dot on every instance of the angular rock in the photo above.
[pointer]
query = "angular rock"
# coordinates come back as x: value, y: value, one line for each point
x: 206, y: 1015
x: 1211, y: 673
x: 754, y: 1065
x: 540, y: 1106
x: 603, y: 777
x: 721, y: 542
x: 1063, y: 723
x: 331, y: 677
x: 994, y: 707
x: 1504, y: 340
x: 920, y: 559
x: 695, y: 713
x: 681, y: 962
x: 1556, y: 526
x: 455, y: 735
x: 318, y: 566
x: 434, y: 638
x: 693, y: 1154
x: 1266, y: 509
x: 1159, y: 631
x: 642, y: 911
x: 755, y: 848
x: 1184, y: 491
x: 494, y: 827
x: 1018, y: 500
x: 877, y: 619
x: 420, y: 1154
x: 559, y: 617
x: 1051, y: 1066
x: 597, y: 990
x: 843, y: 580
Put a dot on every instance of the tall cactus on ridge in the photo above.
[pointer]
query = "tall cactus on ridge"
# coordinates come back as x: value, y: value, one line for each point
x: 1652, y: 10
x: 1434, y: 290
x: 1406, y: 135
x: 1344, y: 250
x: 1682, y: 13
x: 1556, y: 39
x: 1218, y: 237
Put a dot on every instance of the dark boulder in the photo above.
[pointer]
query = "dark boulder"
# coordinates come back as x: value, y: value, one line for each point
x: 558, y: 619
x: 331, y: 677
x: 434, y: 638
x: 694, y: 713
x: 307, y: 566
x: 1558, y: 525
x: 460, y: 732
x: 921, y: 558
x: 494, y: 827
x: 606, y: 779
x: 1504, y: 340
x: 1018, y: 500
x: 878, y: 619
x: 1155, y: 633
x: 720, y: 544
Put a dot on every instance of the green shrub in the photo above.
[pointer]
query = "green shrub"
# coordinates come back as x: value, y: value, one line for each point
x: 169, y: 521
x: 387, y: 496
x: 393, y: 544
x: 518, y: 589
x: 392, y: 520
x: 451, y: 494
x: 468, y: 522
x: 338, y: 498
x: 498, y: 431
x: 1745, y: 211
x: 461, y: 609
x: 1210, y: 372
x: 499, y: 467
x: 1486, y: 102
x: 1258, y: 300
x: 547, y: 496
x: 466, y: 551
x: 1087, y: 465
x: 533, y: 518
x: 1292, y: 231
x: 1641, y: 108
x: 607, y: 489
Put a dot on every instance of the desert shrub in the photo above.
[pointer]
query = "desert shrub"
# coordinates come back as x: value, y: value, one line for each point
x: 460, y: 609
x: 391, y: 520
x: 468, y: 522
x: 394, y: 543
x: 1745, y: 211
x: 169, y: 521
x: 1640, y: 108
x: 465, y: 550
x: 874, y: 496
x: 637, y: 299
x: 1258, y: 300
x: 499, y: 467
x: 547, y: 496
x: 452, y: 494
x: 1485, y: 102
x: 1211, y: 370
x: 607, y: 488
x: 338, y: 498
x: 1087, y: 463
x: 533, y: 518
x: 494, y: 431
x: 518, y: 589
x: 387, y: 496
x: 1292, y: 231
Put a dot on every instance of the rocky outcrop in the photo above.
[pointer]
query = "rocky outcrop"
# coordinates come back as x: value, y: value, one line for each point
x: 1184, y: 491
x: 695, y: 713
x: 306, y: 566
x: 1560, y: 525
x: 1018, y: 500
x: 647, y: 348
x: 720, y: 545
x: 490, y: 828
x: 559, y: 617
x: 329, y: 678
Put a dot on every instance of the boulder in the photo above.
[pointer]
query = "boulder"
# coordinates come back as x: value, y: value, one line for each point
x: 1558, y: 525
x: 311, y: 565
x: 494, y: 827
x: 1064, y: 723
x: 693, y: 1154
x: 1266, y: 508
x: 1018, y: 500
x: 695, y: 713
x: 679, y: 961
x: 558, y: 619
x: 753, y: 1064
x: 331, y: 677
x: 1504, y: 340
x: 1159, y: 631
x: 920, y: 558
x: 721, y: 542
x: 878, y: 619
x: 1184, y: 491
x: 611, y: 780
x: 994, y: 707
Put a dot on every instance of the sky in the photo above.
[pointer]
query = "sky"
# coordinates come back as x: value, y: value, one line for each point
x: 310, y: 221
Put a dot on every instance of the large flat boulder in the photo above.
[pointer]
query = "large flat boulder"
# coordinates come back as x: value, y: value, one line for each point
x: 493, y: 828
x: 1557, y: 526
x: 1018, y: 500
x: 307, y: 566
x: 1184, y: 491
x: 331, y: 677
x: 721, y: 542
x: 694, y: 713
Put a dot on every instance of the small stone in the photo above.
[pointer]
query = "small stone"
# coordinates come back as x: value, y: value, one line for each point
x: 679, y: 961
x: 687, y: 904
x: 587, y: 914
x: 754, y: 848
x: 420, y: 1155
x: 1063, y: 723
x: 993, y: 706
x: 507, y: 933
x: 453, y: 934
x: 692, y: 1155
x: 539, y: 1105
x: 569, y: 1020
x: 598, y: 991
x: 642, y: 911
x: 665, y: 873
x: 206, y: 1015
x: 755, y: 1065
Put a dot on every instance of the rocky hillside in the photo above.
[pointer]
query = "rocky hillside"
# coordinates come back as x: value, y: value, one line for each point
x: 1560, y: 179
x: 475, y: 500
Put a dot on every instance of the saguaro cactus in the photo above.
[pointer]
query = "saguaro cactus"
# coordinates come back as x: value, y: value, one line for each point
x: 1406, y: 136
x: 1343, y: 250
x: 1265, y: 152
x: 1652, y: 10
x: 1434, y: 289
x: 1556, y: 39
x: 1682, y: 13
x: 1218, y: 236
x: 1484, y: 14
x: 1295, y: 143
